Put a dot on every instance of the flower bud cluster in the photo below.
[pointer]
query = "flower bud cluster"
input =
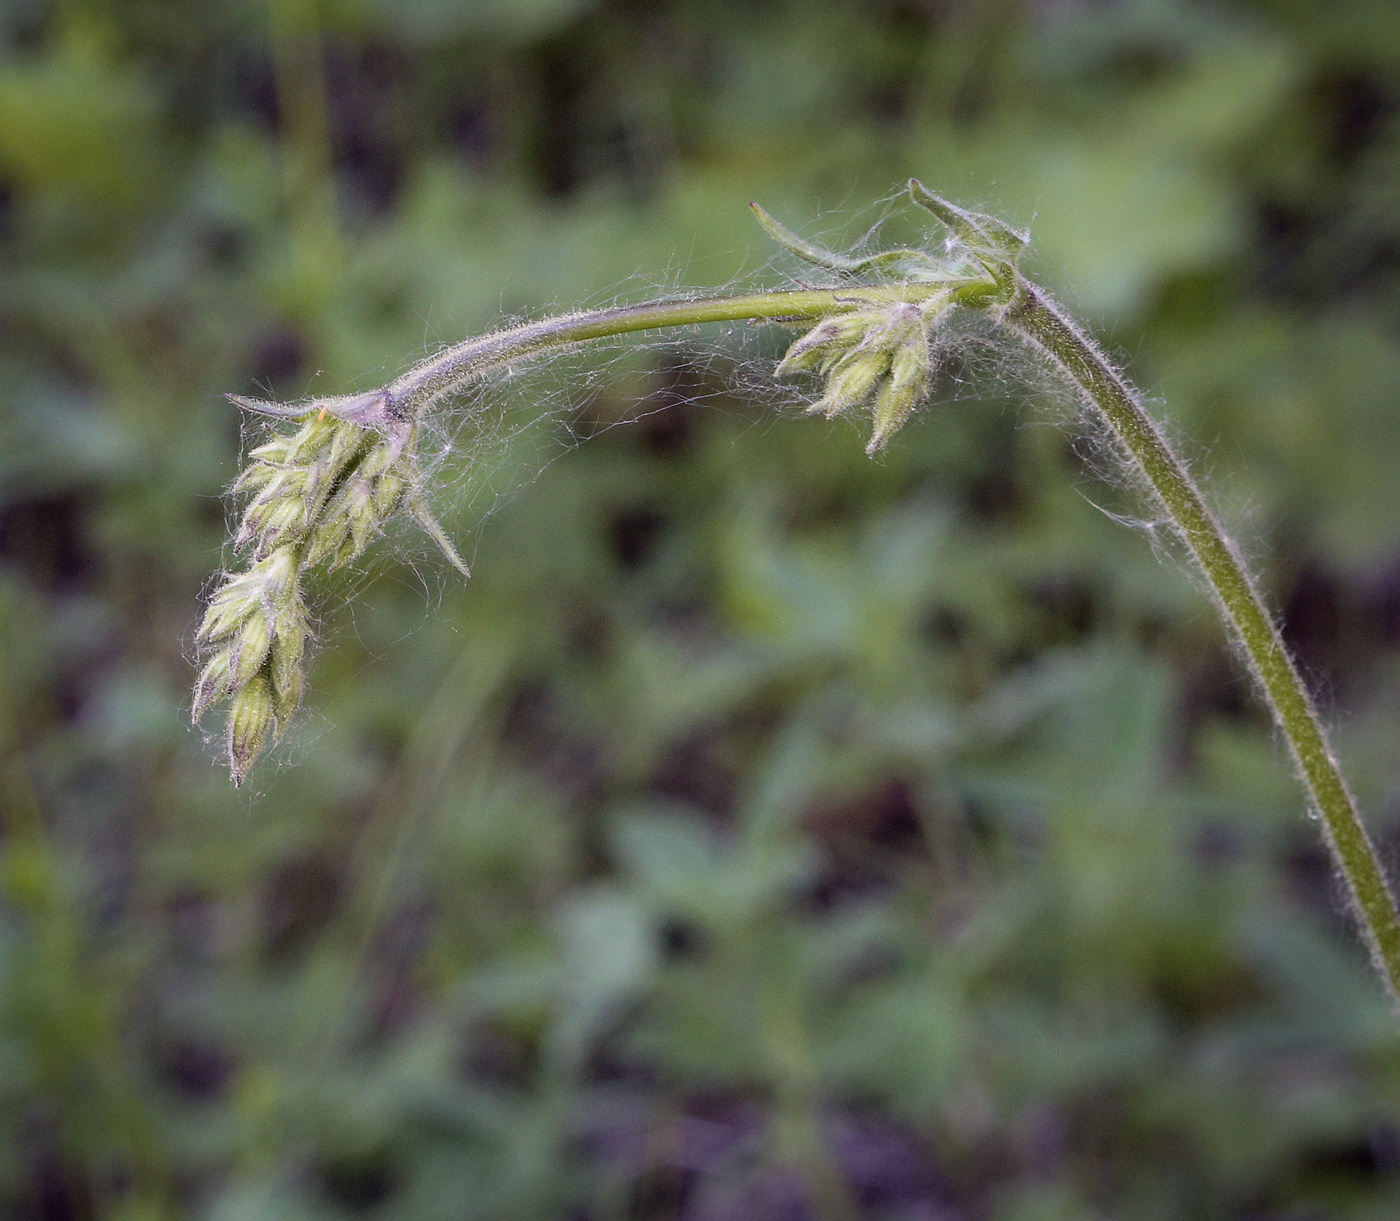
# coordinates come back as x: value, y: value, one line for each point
x: 319, y: 495
x: 327, y: 488
x: 879, y: 354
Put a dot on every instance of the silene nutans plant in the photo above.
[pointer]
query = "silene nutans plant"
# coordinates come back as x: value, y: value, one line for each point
x: 317, y: 492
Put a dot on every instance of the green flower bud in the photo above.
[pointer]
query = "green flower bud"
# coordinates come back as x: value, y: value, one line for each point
x: 326, y: 541
x: 891, y: 327
x: 362, y: 518
x: 275, y: 576
x: 215, y: 681
x: 264, y: 515
x: 250, y: 648
x: 284, y: 523
x: 347, y: 523
x: 287, y: 483
x: 830, y: 337
x: 851, y: 382
x: 388, y: 491
x: 343, y: 444
x: 227, y: 610
x: 315, y: 435
x: 286, y: 697
x: 380, y: 459
x: 901, y: 392
x: 288, y: 645
x: 251, y: 721
x: 274, y: 453
x: 257, y: 477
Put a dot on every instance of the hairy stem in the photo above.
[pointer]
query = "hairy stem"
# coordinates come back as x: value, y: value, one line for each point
x: 1038, y: 321
x: 465, y: 362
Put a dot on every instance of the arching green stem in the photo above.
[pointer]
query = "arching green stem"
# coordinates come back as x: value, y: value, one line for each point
x: 457, y: 366
x: 1039, y: 321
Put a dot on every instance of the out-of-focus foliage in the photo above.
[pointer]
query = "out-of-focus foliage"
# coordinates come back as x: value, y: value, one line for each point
x: 764, y: 832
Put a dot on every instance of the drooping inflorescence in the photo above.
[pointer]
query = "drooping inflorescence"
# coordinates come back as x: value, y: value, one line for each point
x: 880, y: 354
x: 318, y: 496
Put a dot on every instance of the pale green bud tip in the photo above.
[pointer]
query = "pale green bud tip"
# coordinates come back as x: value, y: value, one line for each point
x: 251, y: 721
x: 215, y: 681
x: 893, y: 406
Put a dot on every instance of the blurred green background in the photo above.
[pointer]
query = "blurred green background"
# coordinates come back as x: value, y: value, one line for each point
x: 765, y: 833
